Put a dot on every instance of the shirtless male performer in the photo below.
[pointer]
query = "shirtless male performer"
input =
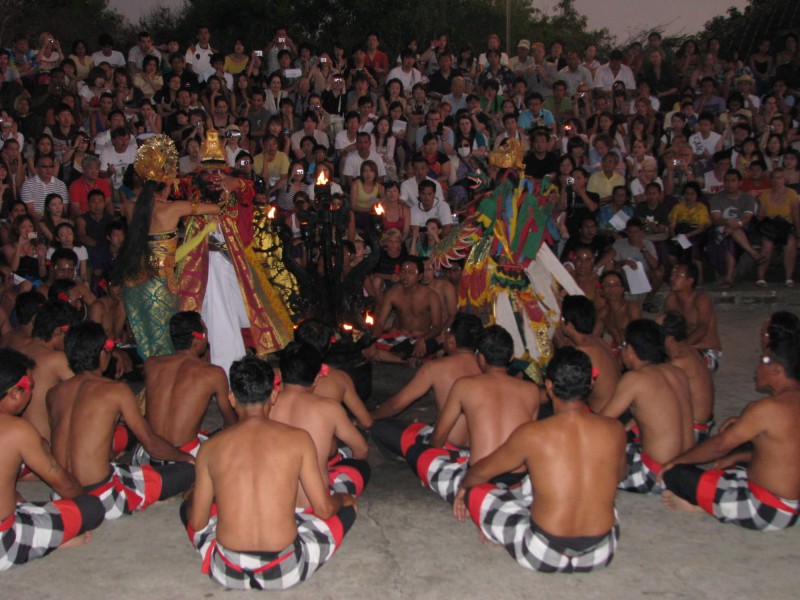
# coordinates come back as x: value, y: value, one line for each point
x: 241, y: 516
x: 584, y: 273
x: 562, y: 517
x: 46, y: 349
x: 418, y: 318
x: 84, y: 410
x: 324, y: 419
x: 26, y: 306
x: 109, y: 311
x: 493, y: 404
x: 447, y: 294
x: 698, y: 309
x: 439, y: 375
x: 765, y: 494
x: 180, y: 386
x: 615, y: 312
x: 29, y: 531
x: 657, y: 395
x: 337, y: 385
x: 701, y: 383
x: 578, y: 319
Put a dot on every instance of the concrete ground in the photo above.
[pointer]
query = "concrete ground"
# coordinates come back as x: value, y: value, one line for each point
x: 406, y: 544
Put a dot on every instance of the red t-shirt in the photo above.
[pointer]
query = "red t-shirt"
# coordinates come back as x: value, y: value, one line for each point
x: 379, y: 61
x: 79, y: 191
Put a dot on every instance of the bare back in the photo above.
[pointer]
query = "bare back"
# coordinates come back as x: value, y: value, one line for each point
x: 608, y: 371
x: 179, y: 388
x: 254, y: 469
x: 701, y: 383
x: 494, y: 405
x: 51, y: 369
x: 575, y: 461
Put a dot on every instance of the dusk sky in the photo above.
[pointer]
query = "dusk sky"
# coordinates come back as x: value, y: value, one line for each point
x: 676, y: 16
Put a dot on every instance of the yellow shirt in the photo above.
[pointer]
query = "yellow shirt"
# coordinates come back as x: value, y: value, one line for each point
x: 696, y: 216
x: 276, y: 169
x: 602, y: 185
x: 783, y: 210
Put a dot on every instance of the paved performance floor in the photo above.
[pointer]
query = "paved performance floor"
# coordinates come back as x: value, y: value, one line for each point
x: 406, y: 544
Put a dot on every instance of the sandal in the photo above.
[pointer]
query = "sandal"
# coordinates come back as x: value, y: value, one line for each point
x: 790, y: 283
x: 761, y: 283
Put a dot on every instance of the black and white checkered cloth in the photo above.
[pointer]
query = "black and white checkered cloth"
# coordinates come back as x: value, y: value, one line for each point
x: 712, y: 358
x: 504, y: 517
x: 440, y: 469
x: 127, y: 490
x: 702, y: 431
x: 732, y: 498
x: 316, y: 542
x: 642, y: 471
x: 33, y: 531
x: 347, y: 475
x: 141, y: 457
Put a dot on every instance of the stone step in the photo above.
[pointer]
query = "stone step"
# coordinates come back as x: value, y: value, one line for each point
x: 745, y: 294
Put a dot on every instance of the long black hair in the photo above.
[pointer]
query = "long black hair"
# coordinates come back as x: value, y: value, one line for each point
x: 135, y: 255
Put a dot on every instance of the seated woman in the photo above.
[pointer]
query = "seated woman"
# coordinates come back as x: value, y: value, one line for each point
x: 365, y: 192
x: 778, y: 225
x: 25, y: 251
x: 53, y: 216
x: 690, y: 218
x: 423, y: 243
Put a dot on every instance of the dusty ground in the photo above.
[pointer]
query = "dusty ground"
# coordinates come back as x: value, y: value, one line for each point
x: 405, y: 543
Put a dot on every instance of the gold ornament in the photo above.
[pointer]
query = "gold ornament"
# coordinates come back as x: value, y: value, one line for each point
x: 212, y: 153
x: 157, y: 159
x: 508, y: 155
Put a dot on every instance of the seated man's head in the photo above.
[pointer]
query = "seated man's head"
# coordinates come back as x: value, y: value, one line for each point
x: 64, y: 262
x: 427, y: 194
x: 583, y: 259
x: 27, y: 305
x: 314, y: 333
x: 495, y: 348
x: 779, y: 362
x: 635, y: 230
x: 411, y: 271
x: 568, y: 375
x: 613, y: 285
x: 187, y: 330
x: 464, y: 333
x: 674, y: 326
x: 15, y: 380
x: 300, y: 365
x: 578, y: 314
x: 53, y: 321
x: 644, y: 340
x: 252, y: 381
x: 86, y: 348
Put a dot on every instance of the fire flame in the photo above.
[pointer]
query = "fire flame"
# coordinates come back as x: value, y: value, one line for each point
x: 271, y: 213
x: 369, y: 320
x: 322, y: 179
x: 379, y: 210
x: 347, y: 327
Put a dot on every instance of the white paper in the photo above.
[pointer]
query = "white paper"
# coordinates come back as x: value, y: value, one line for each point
x: 619, y: 220
x: 292, y: 73
x: 637, y: 279
x: 683, y: 241
x: 398, y: 125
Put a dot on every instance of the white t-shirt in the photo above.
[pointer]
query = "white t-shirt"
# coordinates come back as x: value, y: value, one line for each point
x: 699, y: 145
x: 110, y: 156
x: 115, y: 60
x: 80, y: 252
x: 407, y: 79
x: 441, y: 210
x: 352, y: 165
x: 199, y: 58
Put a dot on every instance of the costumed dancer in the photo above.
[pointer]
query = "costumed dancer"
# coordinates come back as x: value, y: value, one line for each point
x: 218, y: 278
x: 147, y: 259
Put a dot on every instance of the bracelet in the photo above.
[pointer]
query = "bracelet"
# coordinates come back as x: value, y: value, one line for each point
x: 195, y: 206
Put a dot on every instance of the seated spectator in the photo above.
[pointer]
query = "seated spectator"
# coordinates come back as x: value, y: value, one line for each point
x: 619, y: 202
x: 104, y: 256
x: 540, y: 162
x: 636, y: 252
x: 690, y: 217
x: 64, y: 237
x: 731, y: 213
x: 757, y: 180
x: 778, y: 223
x: 604, y: 181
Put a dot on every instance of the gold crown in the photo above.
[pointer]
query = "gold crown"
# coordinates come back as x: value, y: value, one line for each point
x: 211, y: 151
x: 157, y: 159
x: 508, y: 155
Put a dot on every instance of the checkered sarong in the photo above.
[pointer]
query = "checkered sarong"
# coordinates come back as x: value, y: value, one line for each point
x: 316, y: 542
x: 34, y: 530
x: 347, y: 475
x: 141, y: 457
x: 504, y: 517
x: 712, y: 358
x: 127, y: 490
x: 388, y: 340
x: 732, y: 498
x: 440, y: 469
x: 702, y: 431
x: 642, y: 471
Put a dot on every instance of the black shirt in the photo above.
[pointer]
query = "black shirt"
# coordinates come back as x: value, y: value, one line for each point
x: 539, y: 167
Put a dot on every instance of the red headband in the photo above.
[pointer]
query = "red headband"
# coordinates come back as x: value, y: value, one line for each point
x: 276, y: 382
x: 109, y: 345
x: 324, y: 370
x: 24, y: 384
x: 64, y: 297
x: 595, y: 372
x: 199, y: 335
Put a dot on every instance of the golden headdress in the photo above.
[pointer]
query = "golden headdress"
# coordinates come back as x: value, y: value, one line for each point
x: 211, y: 151
x: 508, y: 155
x: 157, y: 159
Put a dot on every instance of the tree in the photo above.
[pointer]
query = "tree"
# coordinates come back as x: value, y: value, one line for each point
x: 761, y: 19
